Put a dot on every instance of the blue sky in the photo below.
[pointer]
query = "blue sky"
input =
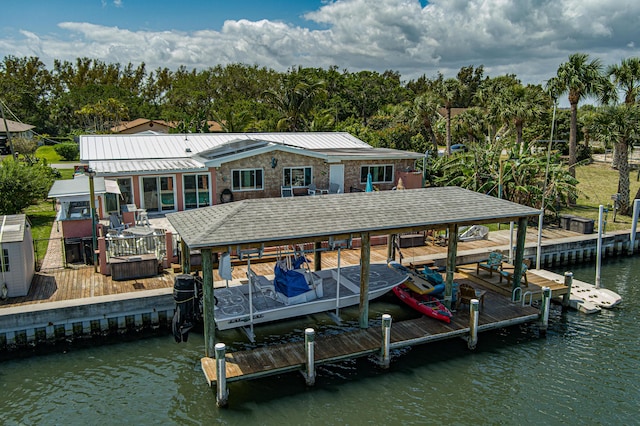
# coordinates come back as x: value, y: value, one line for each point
x: 527, y: 38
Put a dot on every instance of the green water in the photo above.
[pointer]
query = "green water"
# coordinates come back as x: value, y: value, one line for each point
x: 585, y: 371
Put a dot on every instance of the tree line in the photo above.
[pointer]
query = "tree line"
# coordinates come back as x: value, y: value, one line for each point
x: 488, y: 114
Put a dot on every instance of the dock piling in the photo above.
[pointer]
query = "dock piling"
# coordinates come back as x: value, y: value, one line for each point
x: 222, y: 394
x: 568, y: 281
x: 544, y: 313
x: 385, y: 356
x: 474, y: 313
x: 309, y: 349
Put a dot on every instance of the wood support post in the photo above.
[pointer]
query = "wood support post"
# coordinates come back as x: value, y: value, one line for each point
x: 309, y: 350
x: 474, y: 314
x: 186, y: 258
x: 452, y: 253
x: 544, y: 309
x: 317, y: 256
x: 519, y: 255
x: 222, y: 394
x: 385, y: 356
x: 209, y: 303
x: 365, y: 260
x: 568, y: 281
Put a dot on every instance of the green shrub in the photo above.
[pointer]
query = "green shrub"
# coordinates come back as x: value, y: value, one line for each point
x: 68, y: 151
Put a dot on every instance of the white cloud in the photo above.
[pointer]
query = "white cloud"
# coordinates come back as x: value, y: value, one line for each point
x: 529, y: 38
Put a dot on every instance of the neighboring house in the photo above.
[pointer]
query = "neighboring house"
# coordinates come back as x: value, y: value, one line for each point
x: 17, y: 260
x: 16, y: 130
x: 174, y: 172
x: 141, y: 125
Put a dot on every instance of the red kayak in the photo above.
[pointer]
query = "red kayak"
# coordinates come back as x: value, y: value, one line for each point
x: 424, y: 303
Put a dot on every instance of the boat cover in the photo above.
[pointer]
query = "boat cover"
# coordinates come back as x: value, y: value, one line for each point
x: 287, y: 280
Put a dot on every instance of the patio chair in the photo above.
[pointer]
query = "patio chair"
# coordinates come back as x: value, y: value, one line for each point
x: 506, y: 272
x: 116, y: 224
x: 493, y: 263
x: 286, y: 191
x: 311, y: 190
x: 334, y: 188
x: 467, y: 293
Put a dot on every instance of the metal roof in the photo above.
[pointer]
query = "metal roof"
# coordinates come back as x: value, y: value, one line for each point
x: 76, y: 186
x: 172, y: 146
x: 141, y: 166
x: 252, y: 222
x: 12, y: 228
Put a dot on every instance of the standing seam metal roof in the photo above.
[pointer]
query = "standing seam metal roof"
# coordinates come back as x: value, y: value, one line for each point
x: 277, y: 219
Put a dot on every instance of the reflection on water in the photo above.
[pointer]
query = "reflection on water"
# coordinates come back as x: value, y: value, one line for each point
x: 583, y: 371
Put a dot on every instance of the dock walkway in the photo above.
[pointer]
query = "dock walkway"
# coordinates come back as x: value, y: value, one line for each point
x: 498, y: 312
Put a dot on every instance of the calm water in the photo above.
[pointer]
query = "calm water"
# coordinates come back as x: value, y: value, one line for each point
x: 585, y: 371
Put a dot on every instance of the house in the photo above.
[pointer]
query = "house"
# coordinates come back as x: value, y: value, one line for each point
x: 17, y: 260
x: 16, y: 130
x: 173, y: 172
x: 141, y: 125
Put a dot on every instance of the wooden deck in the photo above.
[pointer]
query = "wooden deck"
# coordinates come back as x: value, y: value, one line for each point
x: 497, y: 312
x: 82, y: 282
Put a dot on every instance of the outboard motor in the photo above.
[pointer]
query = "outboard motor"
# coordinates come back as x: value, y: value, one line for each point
x: 187, y: 292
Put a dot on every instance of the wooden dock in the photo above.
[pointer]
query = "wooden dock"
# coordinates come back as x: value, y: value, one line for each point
x: 498, y: 311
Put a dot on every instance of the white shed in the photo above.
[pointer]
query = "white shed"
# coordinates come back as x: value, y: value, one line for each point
x: 17, y: 259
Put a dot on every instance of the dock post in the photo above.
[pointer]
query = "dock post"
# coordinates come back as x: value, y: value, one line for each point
x: 309, y: 349
x: 474, y: 313
x: 222, y: 394
x: 634, y: 226
x: 568, y: 281
x: 386, y: 341
x: 546, y: 303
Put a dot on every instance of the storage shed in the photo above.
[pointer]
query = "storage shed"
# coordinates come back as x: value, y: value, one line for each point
x: 17, y: 265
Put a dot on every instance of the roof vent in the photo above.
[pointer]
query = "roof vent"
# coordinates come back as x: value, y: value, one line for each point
x: 187, y: 149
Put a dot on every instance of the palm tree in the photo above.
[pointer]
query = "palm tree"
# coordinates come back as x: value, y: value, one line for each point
x: 448, y: 91
x: 621, y: 124
x: 626, y: 77
x: 519, y: 104
x: 423, y: 113
x: 295, y: 102
x: 580, y: 78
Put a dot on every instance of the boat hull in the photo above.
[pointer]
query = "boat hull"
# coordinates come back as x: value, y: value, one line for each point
x: 233, y: 310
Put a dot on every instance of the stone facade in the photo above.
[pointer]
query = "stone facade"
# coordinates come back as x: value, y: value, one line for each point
x: 273, y: 176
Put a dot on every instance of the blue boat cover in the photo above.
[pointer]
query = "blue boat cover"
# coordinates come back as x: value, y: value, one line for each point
x: 289, y: 282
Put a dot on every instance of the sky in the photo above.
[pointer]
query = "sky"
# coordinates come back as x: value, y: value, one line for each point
x: 528, y: 38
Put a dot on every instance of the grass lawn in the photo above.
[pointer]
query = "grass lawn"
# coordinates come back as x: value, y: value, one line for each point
x: 598, y: 182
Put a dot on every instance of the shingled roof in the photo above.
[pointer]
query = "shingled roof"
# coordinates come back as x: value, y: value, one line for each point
x: 315, y: 218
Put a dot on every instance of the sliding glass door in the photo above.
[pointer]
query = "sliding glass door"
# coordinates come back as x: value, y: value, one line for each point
x: 158, y: 193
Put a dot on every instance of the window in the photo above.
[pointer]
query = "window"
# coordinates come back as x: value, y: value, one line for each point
x: 379, y: 174
x: 4, y: 267
x: 247, y: 180
x: 196, y: 191
x: 296, y: 176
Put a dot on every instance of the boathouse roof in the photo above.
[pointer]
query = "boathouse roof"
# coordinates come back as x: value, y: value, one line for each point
x: 315, y: 218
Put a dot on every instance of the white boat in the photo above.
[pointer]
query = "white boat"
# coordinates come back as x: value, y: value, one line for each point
x: 263, y: 300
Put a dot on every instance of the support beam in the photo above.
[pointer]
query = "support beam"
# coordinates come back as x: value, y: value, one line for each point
x: 186, y: 257
x: 519, y: 257
x: 317, y: 256
x: 452, y: 252
x: 365, y: 260
x: 391, y: 253
x: 209, y: 303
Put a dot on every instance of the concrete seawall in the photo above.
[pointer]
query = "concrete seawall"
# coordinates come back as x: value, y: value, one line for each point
x: 29, y: 325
